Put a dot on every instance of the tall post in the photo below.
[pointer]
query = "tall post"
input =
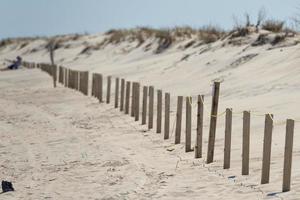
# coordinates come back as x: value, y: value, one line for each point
x: 167, y: 116
x: 144, y: 106
x: 246, y: 143
x: 265, y: 175
x: 188, y: 125
x: 227, y: 142
x: 133, y: 98
x: 96, y: 86
x: 117, y: 93
x: 127, y: 98
x: 54, y: 74
x: 65, y: 76
x: 288, y: 155
x: 76, y: 80
x: 70, y: 78
x: 60, y: 74
x: 159, y: 111
x: 178, y: 119
x: 199, y: 136
x: 151, y: 104
x: 213, y: 123
x: 137, y: 102
x: 84, y: 81
x: 108, y: 89
x: 122, y: 94
x: 100, y: 85
x: 93, y: 85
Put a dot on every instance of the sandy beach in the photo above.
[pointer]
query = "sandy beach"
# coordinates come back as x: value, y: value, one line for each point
x: 59, y: 144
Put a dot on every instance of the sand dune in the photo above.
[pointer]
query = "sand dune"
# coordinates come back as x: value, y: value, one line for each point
x: 59, y: 144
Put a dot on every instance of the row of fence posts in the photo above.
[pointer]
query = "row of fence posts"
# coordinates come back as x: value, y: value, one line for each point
x: 129, y: 93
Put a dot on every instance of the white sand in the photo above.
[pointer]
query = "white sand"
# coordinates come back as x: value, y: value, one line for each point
x: 58, y: 144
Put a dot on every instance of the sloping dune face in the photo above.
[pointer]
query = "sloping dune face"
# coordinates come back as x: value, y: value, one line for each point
x: 259, y: 72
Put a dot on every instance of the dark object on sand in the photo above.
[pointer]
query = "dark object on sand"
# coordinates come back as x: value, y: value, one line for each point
x: 7, y: 186
x: 16, y: 63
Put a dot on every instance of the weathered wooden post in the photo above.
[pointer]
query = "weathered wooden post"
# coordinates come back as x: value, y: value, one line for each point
x: 108, y: 89
x: 199, y: 136
x: 288, y: 155
x: 213, y: 123
x: 178, y: 119
x: 227, y: 142
x: 60, y: 74
x: 96, y: 85
x: 133, y: 99
x: 100, y: 87
x: 122, y: 94
x: 144, y: 106
x: 188, y: 124
x: 74, y: 76
x: 137, y: 102
x: 66, y: 77
x: 159, y: 111
x: 69, y: 78
x: 54, y: 74
x: 167, y: 116
x: 246, y: 143
x: 127, y: 99
x: 93, y: 85
x: 151, y: 105
x: 117, y: 93
x: 84, y: 82
x: 265, y: 174
x: 76, y: 80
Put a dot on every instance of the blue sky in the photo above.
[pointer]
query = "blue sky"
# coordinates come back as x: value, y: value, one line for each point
x: 51, y: 17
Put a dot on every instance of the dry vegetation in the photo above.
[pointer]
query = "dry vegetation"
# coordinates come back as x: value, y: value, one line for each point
x: 60, y: 41
x: 161, y: 39
x: 165, y: 37
x: 272, y: 25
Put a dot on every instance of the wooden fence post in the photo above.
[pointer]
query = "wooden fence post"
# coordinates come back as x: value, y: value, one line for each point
x: 60, y: 74
x: 54, y: 74
x: 86, y: 84
x: 151, y: 104
x: 127, y: 99
x: 144, y: 110
x: 100, y: 85
x: 96, y: 86
x: 188, y: 124
x: 117, y: 93
x: 137, y: 102
x: 167, y: 116
x: 213, y: 123
x: 108, y: 89
x: 133, y: 89
x: 122, y: 94
x: 246, y: 143
x: 66, y: 77
x: 178, y: 119
x: 227, y: 142
x: 265, y: 173
x: 199, y: 136
x: 81, y: 81
x: 84, y: 81
x: 93, y: 85
x: 76, y: 80
x: 159, y: 111
x: 69, y: 78
x: 288, y: 155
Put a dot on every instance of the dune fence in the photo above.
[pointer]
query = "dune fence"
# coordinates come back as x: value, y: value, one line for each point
x: 137, y: 101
